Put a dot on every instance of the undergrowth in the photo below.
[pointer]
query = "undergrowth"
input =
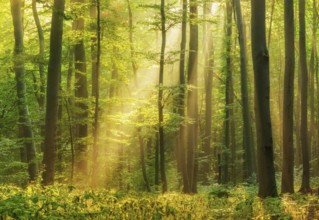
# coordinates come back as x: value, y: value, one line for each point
x: 215, y: 202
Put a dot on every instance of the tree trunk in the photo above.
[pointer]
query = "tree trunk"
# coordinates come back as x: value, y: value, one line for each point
x: 132, y: 49
x: 228, y: 89
x: 81, y: 95
x: 160, y: 99
x: 156, y: 165
x: 305, y: 185
x: 96, y: 57
x: 265, y: 154
x: 312, y: 72
x: 297, y: 122
x: 249, y: 159
x: 25, y: 130
x: 287, y: 181
x: 54, y: 72
x: 192, y: 96
x: 40, y: 92
x: 181, y: 150
x: 142, y: 157
x: 207, y: 139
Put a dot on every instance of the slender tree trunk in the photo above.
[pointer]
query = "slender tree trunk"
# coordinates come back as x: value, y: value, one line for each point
x: 156, y: 165
x: 181, y: 150
x: 93, y: 28
x: 312, y: 72
x: 297, y: 122
x: 25, y: 130
x: 228, y: 105
x: 96, y: 60
x: 69, y: 105
x: 54, y: 72
x: 40, y: 92
x: 132, y: 49
x: 265, y: 154
x: 81, y: 95
x: 160, y: 99
x: 287, y: 181
x: 209, y: 63
x: 142, y: 157
x: 305, y: 185
x: 247, y: 134
x: 192, y: 96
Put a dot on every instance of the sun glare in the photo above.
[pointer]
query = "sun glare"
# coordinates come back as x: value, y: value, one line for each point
x: 215, y: 8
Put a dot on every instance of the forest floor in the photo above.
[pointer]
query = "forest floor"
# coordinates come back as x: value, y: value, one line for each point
x: 214, y: 202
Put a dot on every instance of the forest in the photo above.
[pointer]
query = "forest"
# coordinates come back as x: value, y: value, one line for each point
x: 163, y: 109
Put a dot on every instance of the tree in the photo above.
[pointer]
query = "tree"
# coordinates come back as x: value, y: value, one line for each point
x: 266, y: 170
x: 28, y: 152
x: 305, y: 184
x: 132, y: 49
x: 142, y: 157
x: 249, y: 167
x: 287, y: 184
x: 160, y: 99
x: 192, y: 99
x: 228, y: 96
x: 209, y: 63
x: 96, y: 54
x: 181, y: 150
x: 81, y: 92
x: 54, y: 72
x: 40, y: 90
x: 313, y: 67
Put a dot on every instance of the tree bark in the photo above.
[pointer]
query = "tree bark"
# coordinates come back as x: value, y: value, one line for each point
x: 249, y: 159
x: 181, y: 150
x: 156, y: 165
x: 228, y: 89
x: 312, y: 71
x: 40, y: 92
x: 160, y: 100
x: 142, y: 157
x: 192, y: 97
x: 81, y: 95
x: 132, y: 49
x: 96, y: 62
x: 54, y: 72
x: 266, y: 170
x: 209, y: 64
x: 25, y: 130
x: 305, y: 184
x: 287, y: 181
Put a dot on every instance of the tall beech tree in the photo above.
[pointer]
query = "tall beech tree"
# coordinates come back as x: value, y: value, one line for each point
x: 95, y: 13
x: 192, y: 99
x: 228, y: 96
x: 287, y: 183
x: 40, y: 86
x: 305, y: 184
x: 28, y: 152
x: 52, y: 97
x: 265, y: 152
x: 81, y: 91
x: 209, y: 63
x: 160, y: 101
x: 181, y: 149
x: 248, y: 143
x: 313, y: 68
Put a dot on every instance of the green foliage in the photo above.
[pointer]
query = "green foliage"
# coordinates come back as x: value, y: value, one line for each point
x: 68, y: 202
